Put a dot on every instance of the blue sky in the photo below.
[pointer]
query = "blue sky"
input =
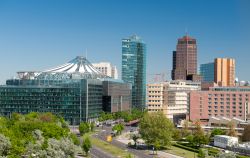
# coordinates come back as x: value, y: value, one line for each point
x: 36, y: 35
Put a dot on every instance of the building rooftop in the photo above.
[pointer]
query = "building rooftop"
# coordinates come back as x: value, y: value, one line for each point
x: 78, y: 68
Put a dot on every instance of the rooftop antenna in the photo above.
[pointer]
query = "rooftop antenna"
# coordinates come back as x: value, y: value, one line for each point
x: 186, y: 31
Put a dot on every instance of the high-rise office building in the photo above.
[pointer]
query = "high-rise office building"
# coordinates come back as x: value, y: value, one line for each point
x: 107, y: 69
x: 224, y: 71
x: 207, y: 72
x: 134, y: 68
x: 185, y: 59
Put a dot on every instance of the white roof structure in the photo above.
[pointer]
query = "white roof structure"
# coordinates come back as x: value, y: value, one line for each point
x: 78, y: 65
x: 78, y: 68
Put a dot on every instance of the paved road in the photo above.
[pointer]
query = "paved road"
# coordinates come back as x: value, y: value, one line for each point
x: 98, y: 153
x: 138, y: 153
x: 105, y: 131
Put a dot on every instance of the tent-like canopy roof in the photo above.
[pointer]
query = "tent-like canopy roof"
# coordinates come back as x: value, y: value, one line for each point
x: 78, y: 68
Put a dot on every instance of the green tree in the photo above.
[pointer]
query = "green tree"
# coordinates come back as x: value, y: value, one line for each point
x: 156, y: 129
x: 135, y: 137
x: 92, y: 126
x: 84, y: 127
x: 185, y: 128
x: 199, y: 136
x: 75, y: 139
x: 86, y: 145
x: 217, y: 131
x: 177, y: 134
x: 5, y: 145
x: 31, y: 133
x: 246, y: 134
x: 201, y: 153
x: 231, y: 129
x: 118, y: 128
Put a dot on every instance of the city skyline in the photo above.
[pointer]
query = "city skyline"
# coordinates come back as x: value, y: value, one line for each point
x: 36, y: 36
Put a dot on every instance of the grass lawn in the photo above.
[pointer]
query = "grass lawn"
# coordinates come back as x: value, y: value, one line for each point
x: 109, y: 148
x: 113, y: 150
x: 181, y: 152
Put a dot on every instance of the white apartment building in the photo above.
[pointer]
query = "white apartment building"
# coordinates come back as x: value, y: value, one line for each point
x: 170, y: 97
x: 107, y: 69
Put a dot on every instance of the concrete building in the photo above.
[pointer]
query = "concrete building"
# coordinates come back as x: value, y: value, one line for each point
x: 107, y: 69
x: 134, y: 69
x: 170, y: 97
x: 184, y: 59
x: 224, y: 72
x: 224, y: 141
x: 157, y: 97
x: 228, y: 102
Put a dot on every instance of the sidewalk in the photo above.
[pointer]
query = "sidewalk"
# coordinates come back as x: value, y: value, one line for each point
x: 160, y: 154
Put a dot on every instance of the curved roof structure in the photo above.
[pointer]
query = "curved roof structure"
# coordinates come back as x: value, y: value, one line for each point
x: 77, y: 68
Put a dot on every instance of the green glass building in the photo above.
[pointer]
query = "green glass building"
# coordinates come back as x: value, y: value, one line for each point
x: 74, y: 90
x: 134, y: 68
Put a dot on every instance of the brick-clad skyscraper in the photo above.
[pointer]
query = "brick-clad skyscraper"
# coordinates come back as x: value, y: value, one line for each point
x: 185, y: 59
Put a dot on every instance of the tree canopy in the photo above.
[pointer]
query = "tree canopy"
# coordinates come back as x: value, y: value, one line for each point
x: 43, y: 134
x: 231, y: 129
x: 126, y: 115
x: 156, y: 129
x: 198, y: 137
x: 217, y: 131
x: 118, y: 128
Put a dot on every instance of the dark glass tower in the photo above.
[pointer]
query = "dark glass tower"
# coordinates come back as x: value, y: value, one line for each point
x: 134, y: 68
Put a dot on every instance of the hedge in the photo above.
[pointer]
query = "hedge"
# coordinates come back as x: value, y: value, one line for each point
x: 241, y: 156
x: 186, y: 148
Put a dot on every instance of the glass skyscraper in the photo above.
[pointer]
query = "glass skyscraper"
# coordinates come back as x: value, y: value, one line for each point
x: 134, y: 68
x: 207, y: 72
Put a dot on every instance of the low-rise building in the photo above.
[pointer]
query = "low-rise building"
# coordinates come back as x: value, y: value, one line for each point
x: 75, y: 90
x: 107, y: 69
x: 171, y: 97
x: 228, y: 102
x: 224, y: 141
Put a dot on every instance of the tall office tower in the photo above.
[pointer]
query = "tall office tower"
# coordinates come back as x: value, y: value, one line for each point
x: 107, y: 69
x: 185, y: 59
x: 224, y: 71
x: 134, y: 68
x: 207, y: 72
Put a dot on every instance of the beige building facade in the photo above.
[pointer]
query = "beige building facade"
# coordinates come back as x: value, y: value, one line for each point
x: 170, y: 97
x: 157, y: 97
x: 107, y: 69
x: 224, y: 71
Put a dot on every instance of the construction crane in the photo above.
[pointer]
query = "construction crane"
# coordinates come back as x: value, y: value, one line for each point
x: 158, y: 77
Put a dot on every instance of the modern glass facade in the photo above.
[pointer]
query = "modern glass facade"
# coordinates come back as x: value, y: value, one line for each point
x: 76, y: 96
x: 134, y: 68
x: 207, y: 72
x: 116, y: 96
x: 75, y: 100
